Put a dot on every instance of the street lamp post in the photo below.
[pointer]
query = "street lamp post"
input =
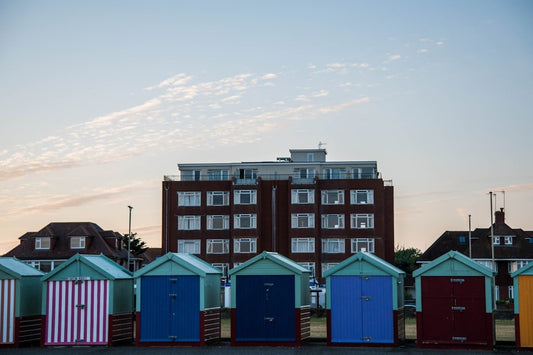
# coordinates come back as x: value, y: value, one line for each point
x: 129, y: 237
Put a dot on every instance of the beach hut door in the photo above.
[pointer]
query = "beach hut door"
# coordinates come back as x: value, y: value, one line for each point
x: 7, y: 311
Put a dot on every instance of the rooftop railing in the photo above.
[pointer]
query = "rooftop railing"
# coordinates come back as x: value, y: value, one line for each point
x: 295, y: 178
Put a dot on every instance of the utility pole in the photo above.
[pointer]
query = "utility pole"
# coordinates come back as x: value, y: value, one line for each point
x: 129, y: 238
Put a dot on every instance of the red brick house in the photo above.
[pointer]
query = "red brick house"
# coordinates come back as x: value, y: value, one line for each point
x: 55, y: 243
x: 513, y: 248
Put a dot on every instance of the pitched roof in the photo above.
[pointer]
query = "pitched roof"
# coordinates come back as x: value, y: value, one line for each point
x: 369, y: 258
x: 274, y: 257
x: 61, y: 232
x: 455, y: 256
x: 17, y: 268
x: 522, y: 247
x: 99, y: 263
x: 188, y: 261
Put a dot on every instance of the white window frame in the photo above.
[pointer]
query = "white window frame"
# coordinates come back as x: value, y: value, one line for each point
x: 356, y: 200
x: 237, y: 221
x: 238, y: 244
x: 296, y: 218
x: 305, y: 173
x: 332, y: 197
x: 338, y: 224
x: 510, y: 291
x: 508, y: 240
x: 357, y: 219
x: 327, y: 266
x: 189, y: 198
x: 333, y: 173
x: 218, y: 174
x: 238, y: 194
x: 308, y: 265
x: 39, y: 245
x: 189, y: 222
x: 80, y: 242
x: 190, y: 175
x: 333, y: 246
x: 212, y: 195
x: 215, y: 243
x: 359, y: 173
x: 211, y: 219
x: 247, y: 173
x: 302, y: 196
x: 496, y: 240
x: 517, y: 264
x: 488, y: 263
x: 224, y: 267
x: 297, y: 245
x: 358, y: 244
x: 186, y: 245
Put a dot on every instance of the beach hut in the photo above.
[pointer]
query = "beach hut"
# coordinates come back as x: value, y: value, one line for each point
x: 178, y: 301
x: 523, y: 306
x: 364, y: 302
x: 454, y: 303
x: 88, y: 300
x: 270, y: 301
x: 20, y: 301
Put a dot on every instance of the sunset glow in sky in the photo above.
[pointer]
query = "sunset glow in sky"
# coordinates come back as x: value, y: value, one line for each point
x: 99, y: 100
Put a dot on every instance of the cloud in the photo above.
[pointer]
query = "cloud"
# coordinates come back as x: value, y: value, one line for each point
x: 423, y: 50
x: 269, y: 76
x: 320, y: 93
x: 344, y: 106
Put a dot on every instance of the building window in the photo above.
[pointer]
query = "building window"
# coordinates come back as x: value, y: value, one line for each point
x: 224, y: 267
x: 188, y: 198
x: 333, y: 246
x: 305, y: 173
x: 362, y: 197
x: 219, y: 222
x: 327, y: 266
x: 510, y: 292
x: 248, y: 174
x: 364, y: 173
x: 245, y: 197
x: 45, y: 265
x: 362, y: 221
x: 302, y: 220
x: 217, y: 246
x: 188, y: 223
x: 245, y: 245
x: 302, y: 196
x: 218, y: 174
x: 489, y: 264
x: 310, y: 266
x: 333, y: 173
x: 303, y: 245
x: 333, y: 221
x: 508, y: 240
x: 363, y: 244
x: 190, y: 175
x: 245, y: 221
x: 42, y: 243
x: 496, y: 240
x: 462, y: 240
x: 515, y: 265
x: 218, y: 198
x: 77, y: 242
x: 191, y: 246
x: 310, y: 157
x: 333, y: 197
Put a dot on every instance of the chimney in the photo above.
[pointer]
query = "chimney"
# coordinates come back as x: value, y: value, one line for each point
x: 499, y: 216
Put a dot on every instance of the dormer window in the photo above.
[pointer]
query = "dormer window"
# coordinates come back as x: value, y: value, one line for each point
x: 77, y: 243
x: 42, y: 243
x: 508, y: 240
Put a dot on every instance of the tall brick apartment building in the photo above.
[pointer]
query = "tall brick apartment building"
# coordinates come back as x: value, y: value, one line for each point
x: 315, y: 212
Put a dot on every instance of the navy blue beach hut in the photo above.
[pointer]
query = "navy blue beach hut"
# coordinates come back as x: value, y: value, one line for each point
x: 270, y: 301
x: 178, y: 301
x: 20, y: 303
x: 365, y: 302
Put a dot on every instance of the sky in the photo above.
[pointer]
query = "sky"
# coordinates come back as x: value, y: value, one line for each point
x: 100, y: 100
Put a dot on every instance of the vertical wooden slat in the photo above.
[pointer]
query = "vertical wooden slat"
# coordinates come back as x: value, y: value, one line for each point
x: 7, y: 311
x: 525, y: 289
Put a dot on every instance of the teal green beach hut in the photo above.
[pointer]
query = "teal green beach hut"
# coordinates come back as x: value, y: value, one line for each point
x: 20, y: 301
x: 364, y: 302
x: 88, y: 300
x: 454, y: 303
x: 178, y: 301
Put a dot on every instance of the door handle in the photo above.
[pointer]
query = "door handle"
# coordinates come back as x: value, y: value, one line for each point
x: 366, y: 298
x: 269, y: 319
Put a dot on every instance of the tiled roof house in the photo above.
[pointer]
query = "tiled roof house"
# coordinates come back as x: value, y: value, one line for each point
x: 56, y: 242
x: 513, y: 248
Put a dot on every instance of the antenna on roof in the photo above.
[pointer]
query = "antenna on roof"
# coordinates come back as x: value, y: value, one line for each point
x: 320, y: 144
x: 503, y: 192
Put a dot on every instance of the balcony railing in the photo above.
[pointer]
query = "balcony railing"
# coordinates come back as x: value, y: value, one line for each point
x: 295, y: 178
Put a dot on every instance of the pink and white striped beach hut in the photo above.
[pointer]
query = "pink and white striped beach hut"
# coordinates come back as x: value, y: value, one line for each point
x: 88, y: 300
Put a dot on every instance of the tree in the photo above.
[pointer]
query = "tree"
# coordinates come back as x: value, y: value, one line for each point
x: 137, y: 246
x: 405, y: 258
